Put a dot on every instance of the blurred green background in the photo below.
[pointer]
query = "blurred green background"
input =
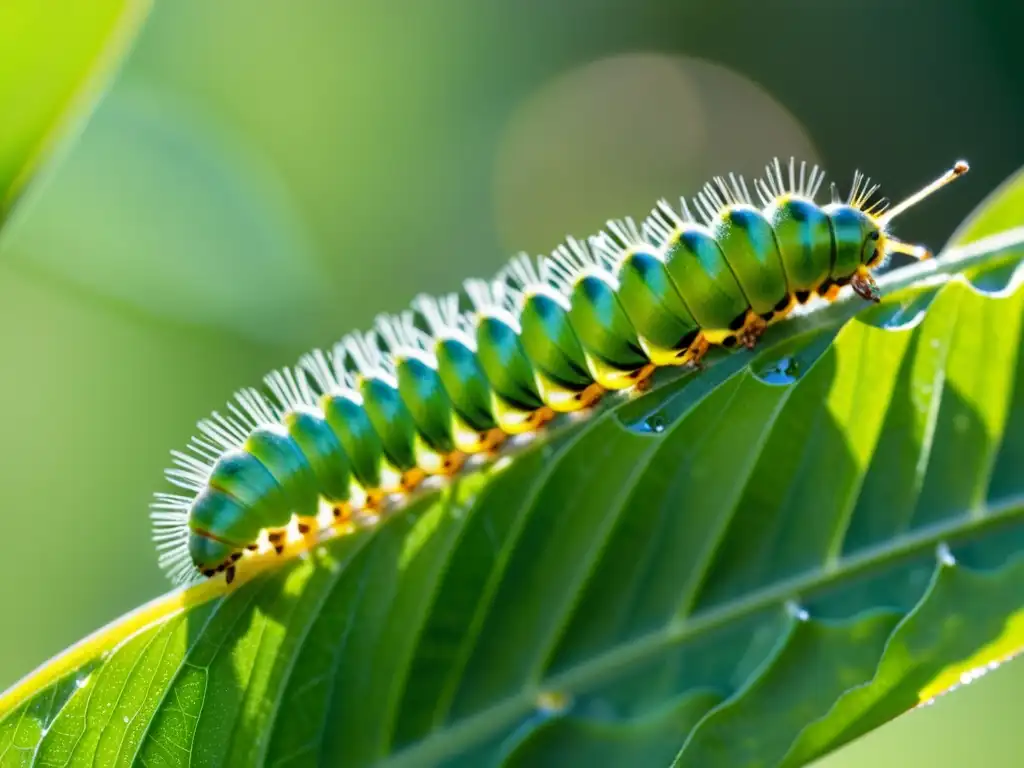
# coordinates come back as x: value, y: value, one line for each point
x: 263, y: 177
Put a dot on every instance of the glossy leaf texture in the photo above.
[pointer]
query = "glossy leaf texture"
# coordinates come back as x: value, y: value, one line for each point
x: 57, y: 61
x: 750, y: 566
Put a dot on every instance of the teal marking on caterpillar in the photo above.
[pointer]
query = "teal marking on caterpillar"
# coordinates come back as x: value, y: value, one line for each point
x: 454, y: 377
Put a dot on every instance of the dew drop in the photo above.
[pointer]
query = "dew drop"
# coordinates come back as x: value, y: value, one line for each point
x: 797, y: 611
x: 785, y: 370
x: 944, y: 555
x: 126, y: 719
x: 655, y: 424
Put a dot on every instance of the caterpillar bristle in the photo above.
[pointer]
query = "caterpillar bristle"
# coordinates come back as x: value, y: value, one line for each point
x: 616, y: 240
x: 522, y: 272
x: 482, y: 297
x: 401, y: 336
x: 624, y: 232
x: 878, y: 207
x: 708, y: 203
x: 572, y: 260
x: 443, y: 317
x: 366, y: 355
x: 655, y: 230
x: 803, y: 182
x: 664, y: 220
x: 862, y: 193
x: 739, y: 189
x: 478, y: 381
x: 256, y: 408
x: 290, y: 390
x: 328, y: 375
x: 516, y: 280
x: 169, y: 515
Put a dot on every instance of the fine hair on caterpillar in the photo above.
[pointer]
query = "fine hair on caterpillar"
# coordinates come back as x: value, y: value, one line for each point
x: 329, y: 441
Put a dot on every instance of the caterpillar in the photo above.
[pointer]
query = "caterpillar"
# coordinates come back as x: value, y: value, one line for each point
x: 424, y: 390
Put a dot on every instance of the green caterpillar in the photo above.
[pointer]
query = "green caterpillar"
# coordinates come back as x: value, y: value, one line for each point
x: 423, y: 391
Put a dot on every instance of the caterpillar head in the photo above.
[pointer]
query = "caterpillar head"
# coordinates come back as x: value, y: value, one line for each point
x: 859, y: 238
x: 860, y: 230
x: 876, y: 242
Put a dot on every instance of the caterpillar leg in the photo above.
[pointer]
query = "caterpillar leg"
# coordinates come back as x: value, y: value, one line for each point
x: 276, y: 539
x: 515, y: 421
x: 563, y: 400
x: 491, y: 440
x: 865, y: 285
x: 642, y: 378
x: 411, y: 478
x: 752, y: 330
x: 643, y: 383
x: 471, y: 441
x: 452, y: 462
x: 590, y: 395
x: 436, y: 463
x: 694, y: 354
x: 374, y: 498
x: 306, y: 525
x: 227, y: 568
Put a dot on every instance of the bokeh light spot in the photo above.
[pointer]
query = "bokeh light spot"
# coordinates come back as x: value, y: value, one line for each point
x: 608, y: 138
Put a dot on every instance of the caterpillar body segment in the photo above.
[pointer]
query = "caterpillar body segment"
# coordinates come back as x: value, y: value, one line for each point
x: 327, y: 441
x: 515, y: 399
x: 474, y: 427
x: 665, y: 327
x: 611, y: 347
x: 562, y: 376
x: 700, y: 273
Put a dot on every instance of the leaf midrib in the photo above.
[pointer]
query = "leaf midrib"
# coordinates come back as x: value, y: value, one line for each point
x: 457, y: 738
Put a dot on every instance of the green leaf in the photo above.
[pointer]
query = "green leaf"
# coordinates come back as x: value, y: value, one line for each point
x: 110, y: 225
x: 1003, y: 209
x: 56, y: 63
x: 749, y: 566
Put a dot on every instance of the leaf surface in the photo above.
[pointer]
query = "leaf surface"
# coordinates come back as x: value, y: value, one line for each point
x: 57, y: 60
x: 749, y: 566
